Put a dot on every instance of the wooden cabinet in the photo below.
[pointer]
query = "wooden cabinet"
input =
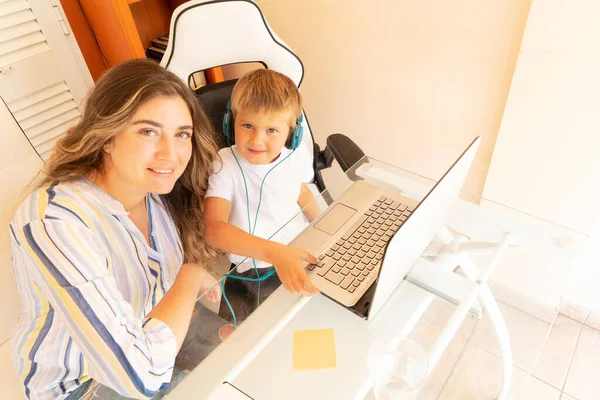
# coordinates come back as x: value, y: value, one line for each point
x: 123, y: 29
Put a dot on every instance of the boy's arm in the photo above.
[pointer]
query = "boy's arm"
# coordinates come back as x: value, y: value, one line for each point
x: 229, y: 238
x: 288, y: 261
x: 307, y: 204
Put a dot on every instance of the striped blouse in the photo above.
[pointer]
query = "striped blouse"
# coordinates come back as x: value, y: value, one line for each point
x: 86, y: 278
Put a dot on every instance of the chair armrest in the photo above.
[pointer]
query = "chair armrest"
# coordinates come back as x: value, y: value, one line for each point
x: 340, y: 148
x: 344, y: 150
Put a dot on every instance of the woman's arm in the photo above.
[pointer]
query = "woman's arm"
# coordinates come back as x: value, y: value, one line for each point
x: 176, y: 307
x: 132, y: 355
x: 288, y: 261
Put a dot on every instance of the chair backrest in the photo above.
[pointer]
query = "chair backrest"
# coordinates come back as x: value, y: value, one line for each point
x: 213, y: 99
x: 207, y: 33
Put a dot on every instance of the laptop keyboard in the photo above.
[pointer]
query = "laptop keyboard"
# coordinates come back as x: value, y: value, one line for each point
x: 356, y: 256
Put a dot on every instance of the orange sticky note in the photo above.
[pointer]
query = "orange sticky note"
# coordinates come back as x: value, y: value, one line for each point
x: 314, y: 349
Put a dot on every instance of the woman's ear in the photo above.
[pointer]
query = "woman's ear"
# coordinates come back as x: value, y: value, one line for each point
x: 108, y: 147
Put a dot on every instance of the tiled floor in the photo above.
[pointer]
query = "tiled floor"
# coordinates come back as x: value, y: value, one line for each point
x: 556, y: 360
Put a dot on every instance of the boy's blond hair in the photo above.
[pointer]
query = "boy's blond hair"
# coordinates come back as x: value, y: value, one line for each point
x: 268, y: 91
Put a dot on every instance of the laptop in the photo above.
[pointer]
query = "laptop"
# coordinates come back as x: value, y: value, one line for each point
x: 369, y: 238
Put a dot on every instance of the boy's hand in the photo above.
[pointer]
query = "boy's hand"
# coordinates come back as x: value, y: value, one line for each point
x: 289, y: 262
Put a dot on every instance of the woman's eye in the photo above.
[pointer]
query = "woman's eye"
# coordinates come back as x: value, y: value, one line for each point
x: 184, y: 135
x: 148, y: 132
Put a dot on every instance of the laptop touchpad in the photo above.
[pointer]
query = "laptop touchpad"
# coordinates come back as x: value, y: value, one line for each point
x: 335, y: 219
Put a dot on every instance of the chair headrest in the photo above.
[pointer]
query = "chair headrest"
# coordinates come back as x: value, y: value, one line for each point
x: 206, y: 34
x: 213, y: 99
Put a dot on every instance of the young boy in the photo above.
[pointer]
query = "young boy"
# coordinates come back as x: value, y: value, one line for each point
x: 257, y: 187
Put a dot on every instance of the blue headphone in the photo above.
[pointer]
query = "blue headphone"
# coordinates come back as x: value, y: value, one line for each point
x: 293, y: 143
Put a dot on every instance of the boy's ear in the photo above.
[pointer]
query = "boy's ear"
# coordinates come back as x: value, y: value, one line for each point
x: 288, y: 142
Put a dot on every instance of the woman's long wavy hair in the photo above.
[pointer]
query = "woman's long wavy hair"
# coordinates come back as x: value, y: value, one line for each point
x: 108, y: 109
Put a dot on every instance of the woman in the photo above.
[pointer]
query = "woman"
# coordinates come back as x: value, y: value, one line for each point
x: 107, y: 248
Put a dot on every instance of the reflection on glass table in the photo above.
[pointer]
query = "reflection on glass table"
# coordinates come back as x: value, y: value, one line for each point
x: 397, y: 367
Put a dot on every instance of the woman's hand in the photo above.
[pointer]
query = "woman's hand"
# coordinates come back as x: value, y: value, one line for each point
x: 207, y: 281
x: 177, y: 305
x: 289, y: 262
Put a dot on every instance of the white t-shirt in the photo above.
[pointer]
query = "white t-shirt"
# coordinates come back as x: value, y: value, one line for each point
x: 279, y: 201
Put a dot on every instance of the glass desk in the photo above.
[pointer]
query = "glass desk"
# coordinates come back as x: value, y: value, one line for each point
x: 487, y: 264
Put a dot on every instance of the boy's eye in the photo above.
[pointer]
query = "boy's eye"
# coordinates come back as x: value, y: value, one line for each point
x: 184, y: 135
x: 247, y: 126
x: 272, y: 130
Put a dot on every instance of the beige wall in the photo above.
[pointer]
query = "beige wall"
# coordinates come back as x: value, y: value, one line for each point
x: 412, y: 82
x: 546, y: 158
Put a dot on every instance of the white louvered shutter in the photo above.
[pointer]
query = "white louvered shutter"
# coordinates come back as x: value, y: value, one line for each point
x: 20, y: 35
x: 46, y: 115
x: 43, y: 77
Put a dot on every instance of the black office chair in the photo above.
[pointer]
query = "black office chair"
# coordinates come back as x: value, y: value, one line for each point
x: 206, y: 34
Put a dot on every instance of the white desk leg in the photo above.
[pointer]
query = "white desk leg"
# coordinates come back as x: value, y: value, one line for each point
x: 452, y: 326
x: 489, y: 303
